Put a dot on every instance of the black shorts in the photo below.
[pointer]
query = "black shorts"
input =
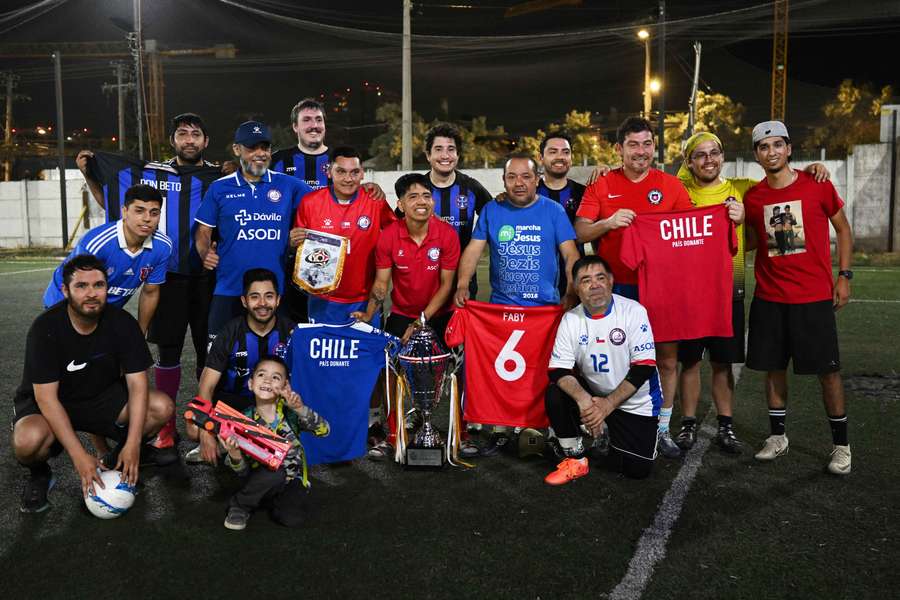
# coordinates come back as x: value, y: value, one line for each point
x: 183, y: 301
x: 633, y: 435
x: 97, y: 415
x: 397, y: 324
x: 803, y: 333
x: 725, y: 350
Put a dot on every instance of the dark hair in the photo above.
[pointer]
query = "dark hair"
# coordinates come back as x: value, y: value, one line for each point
x: 306, y: 104
x: 560, y: 135
x: 187, y: 119
x: 251, y: 276
x: 344, y: 152
x: 586, y: 261
x: 402, y: 185
x: 522, y: 156
x: 144, y: 192
x: 444, y: 130
x: 786, y: 139
x: 632, y: 125
x: 82, y: 262
x: 272, y: 358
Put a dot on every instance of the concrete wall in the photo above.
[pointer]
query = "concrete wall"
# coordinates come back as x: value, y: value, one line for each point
x: 29, y: 211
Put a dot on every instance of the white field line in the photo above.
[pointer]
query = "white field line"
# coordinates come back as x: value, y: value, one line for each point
x: 28, y: 271
x: 651, y: 548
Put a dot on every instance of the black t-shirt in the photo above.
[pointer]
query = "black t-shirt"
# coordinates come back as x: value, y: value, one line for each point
x: 84, y: 365
x: 237, y: 349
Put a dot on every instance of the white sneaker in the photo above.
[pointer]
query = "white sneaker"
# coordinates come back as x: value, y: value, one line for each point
x: 840, y: 460
x: 192, y: 456
x: 774, y: 446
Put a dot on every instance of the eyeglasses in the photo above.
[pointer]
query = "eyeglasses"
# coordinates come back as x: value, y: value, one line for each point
x: 702, y: 156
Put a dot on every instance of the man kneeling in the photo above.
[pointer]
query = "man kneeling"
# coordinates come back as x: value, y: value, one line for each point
x: 603, y: 369
x: 85, y: 370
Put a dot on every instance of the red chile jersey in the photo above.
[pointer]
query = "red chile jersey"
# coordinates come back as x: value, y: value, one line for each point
x: 803, y: 274
x: 507, y: 352
x: 657, y: 192
x: 683, y: 260
x: 361, y: 220
x: 416, y: 268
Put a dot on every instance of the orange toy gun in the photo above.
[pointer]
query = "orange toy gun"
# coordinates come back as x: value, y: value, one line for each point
x: 256, y: 441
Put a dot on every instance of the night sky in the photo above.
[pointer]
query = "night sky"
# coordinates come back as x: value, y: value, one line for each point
x: 522, y: 84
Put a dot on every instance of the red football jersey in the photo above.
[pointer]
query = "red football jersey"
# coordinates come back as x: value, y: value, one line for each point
x: 507, y: 353
x: 361, y: 221
x: 683, y: 260
x: 416, y: 268
x: 657, y: 192
x: 793, y: 253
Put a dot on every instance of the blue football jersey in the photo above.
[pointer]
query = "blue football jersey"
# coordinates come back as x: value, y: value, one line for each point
x: 125, y: 272
x: 254, y: 223
x: 334, y: 368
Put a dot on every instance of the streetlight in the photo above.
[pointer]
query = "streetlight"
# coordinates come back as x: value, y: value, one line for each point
x: 644, y: 35
x: 655, y: 85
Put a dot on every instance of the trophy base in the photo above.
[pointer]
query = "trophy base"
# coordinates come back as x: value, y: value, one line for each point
x: 420, y: 457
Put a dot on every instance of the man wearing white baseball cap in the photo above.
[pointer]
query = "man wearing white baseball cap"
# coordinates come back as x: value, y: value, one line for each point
x: 792, y: 316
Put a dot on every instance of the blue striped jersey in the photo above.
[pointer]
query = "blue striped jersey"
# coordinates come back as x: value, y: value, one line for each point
x: 310, y: 168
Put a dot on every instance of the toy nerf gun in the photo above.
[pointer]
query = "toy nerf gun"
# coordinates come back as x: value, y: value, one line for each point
x: 258, y: 442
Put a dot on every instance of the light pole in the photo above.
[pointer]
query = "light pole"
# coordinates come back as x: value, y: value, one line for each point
x: 644, y: 35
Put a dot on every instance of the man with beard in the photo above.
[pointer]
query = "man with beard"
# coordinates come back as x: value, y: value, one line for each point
x: 233, y: 355
x: 185, y: 295
x: 252, y: 210
x: 792, y: 316
x: 556, y: 156
x: 85, y: 370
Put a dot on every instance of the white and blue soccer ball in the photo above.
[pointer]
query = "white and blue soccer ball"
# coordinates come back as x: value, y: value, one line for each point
x: 113, y: 500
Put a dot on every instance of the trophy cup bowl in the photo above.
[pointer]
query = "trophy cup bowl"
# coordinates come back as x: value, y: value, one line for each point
x: 424, y: 363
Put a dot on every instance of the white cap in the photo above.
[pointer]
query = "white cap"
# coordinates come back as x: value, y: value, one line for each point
x: 769, y: 129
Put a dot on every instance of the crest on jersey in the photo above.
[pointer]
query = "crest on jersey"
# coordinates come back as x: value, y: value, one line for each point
x: 434, y: 254
x: 145, y: 272
x: 110, y: 271
x: 363, y: 222
x: 280, y: 350
x: 325, y: 167
x: 274, y: 195
x: 654, y: 196
x: 462, y: 202
x: 617, y: 337
x: 730, y: 199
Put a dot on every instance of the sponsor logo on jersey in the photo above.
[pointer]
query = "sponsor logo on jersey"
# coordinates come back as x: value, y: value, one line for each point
x: 128, y: 272
x: 274, y: 195
x: 237, y: 195
x: 462, y: 202
x: 326, y: 222
x: 644, y: 327
x: 617, y: 337
x: 583, y: 340
x: 363, y: 222
x: 434, y: 254
x: 72, y: 367
x: 400, y: 252
x: 145, y: 272
x: 654, y: 196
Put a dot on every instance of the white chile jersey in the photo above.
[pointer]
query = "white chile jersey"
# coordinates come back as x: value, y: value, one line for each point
x: 604, y: 347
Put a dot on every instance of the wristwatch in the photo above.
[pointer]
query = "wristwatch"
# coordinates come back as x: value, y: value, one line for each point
x: 846, y: 274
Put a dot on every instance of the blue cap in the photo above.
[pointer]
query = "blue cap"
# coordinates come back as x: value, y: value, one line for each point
x: 252, y: 133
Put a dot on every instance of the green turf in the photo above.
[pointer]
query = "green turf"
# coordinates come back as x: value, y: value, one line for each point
x: 747, y: 530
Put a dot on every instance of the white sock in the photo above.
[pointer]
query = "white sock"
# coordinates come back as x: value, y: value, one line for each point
x: 571, y: 446
x: 665, y: 415
x: 374, y: 416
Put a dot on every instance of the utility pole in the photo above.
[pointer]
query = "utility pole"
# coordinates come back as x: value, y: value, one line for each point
x: 661, y: 158
x: 136, y: 50
x: 9, y: 81
x: 692, y: 103
x: 406, y: 105
x: 61, y: 147
x: 121, y: 88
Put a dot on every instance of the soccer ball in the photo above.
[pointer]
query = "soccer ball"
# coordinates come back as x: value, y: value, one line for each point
x: 113, y: 500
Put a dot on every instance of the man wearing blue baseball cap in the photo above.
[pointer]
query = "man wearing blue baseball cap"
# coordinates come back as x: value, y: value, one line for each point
x: 251, y: 211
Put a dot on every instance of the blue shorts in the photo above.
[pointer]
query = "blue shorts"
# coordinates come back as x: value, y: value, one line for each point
x: 326, y: 312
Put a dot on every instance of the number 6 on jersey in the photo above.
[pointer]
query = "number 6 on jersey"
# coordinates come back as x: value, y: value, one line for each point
x: 508, y: 354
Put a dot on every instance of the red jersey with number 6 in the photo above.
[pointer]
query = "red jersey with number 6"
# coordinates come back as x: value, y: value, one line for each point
x: 507, y: 352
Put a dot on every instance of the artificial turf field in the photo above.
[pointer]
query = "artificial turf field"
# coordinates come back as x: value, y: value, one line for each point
x: 745, y: 529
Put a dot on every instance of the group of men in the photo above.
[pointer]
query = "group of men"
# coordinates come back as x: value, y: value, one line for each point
x: 216, y: 255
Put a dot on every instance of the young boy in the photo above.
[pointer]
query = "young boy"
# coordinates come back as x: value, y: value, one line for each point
x: 281, y: 410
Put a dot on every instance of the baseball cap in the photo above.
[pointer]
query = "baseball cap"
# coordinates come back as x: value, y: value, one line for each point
x: 251, y: 133
x: 769, y: 129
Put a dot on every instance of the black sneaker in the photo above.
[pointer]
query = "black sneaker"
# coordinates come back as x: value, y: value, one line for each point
x: 376, y: 435
x: 726, y: 441
x: 600, y: 445
x: 158, y: 457
x: 34, y: 496
x: 687, y: 436
x: 666, y: 446
x: 495, y: 444
x: 237, y: 518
